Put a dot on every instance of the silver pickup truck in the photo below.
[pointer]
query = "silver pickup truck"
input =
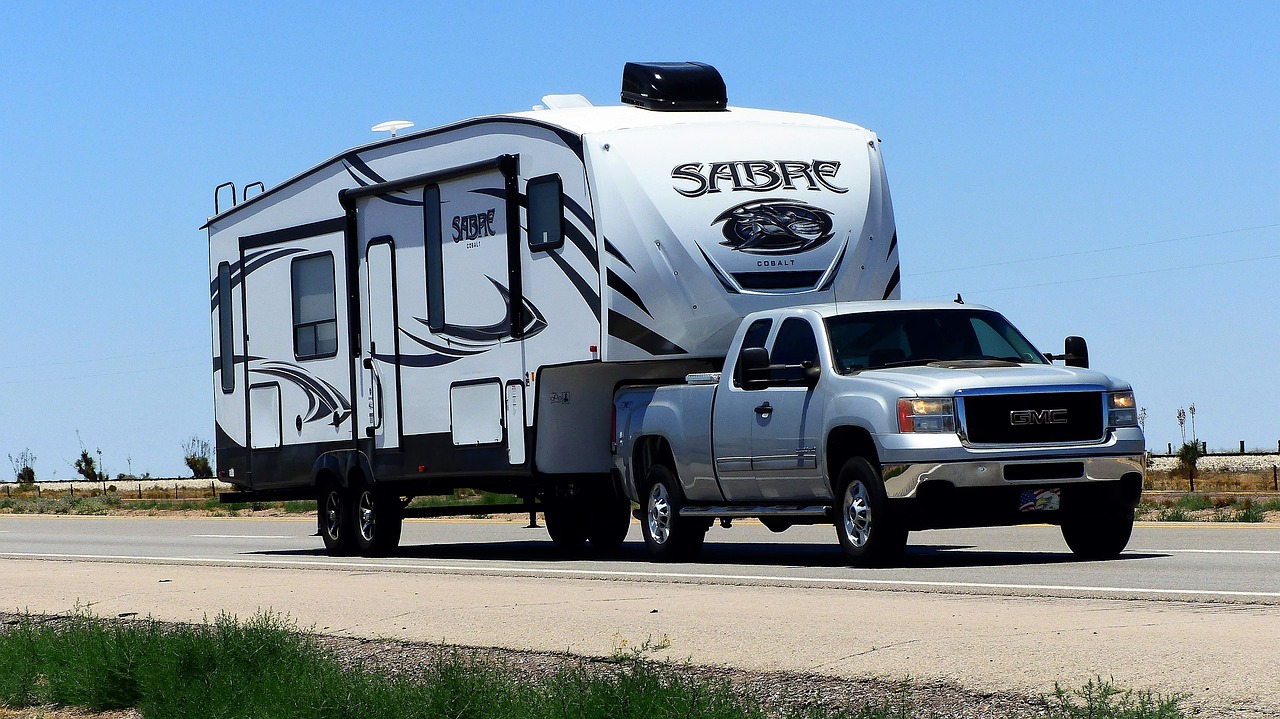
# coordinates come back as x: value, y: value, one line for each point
x: 883, y: 418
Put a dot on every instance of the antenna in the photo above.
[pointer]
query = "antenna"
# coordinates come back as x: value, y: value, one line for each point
x: 392, y: 126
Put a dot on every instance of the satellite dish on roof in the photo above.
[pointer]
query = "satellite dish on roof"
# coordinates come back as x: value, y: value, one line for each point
x: 392, y: 126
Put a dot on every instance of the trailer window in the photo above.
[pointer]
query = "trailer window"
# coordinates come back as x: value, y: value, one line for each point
x: 315, y: 313
x: 433, y: 240
x: 226, y: 347
x: 546, y: 213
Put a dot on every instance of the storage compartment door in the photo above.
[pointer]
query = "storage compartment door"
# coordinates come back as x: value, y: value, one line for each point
x: 476, y: 413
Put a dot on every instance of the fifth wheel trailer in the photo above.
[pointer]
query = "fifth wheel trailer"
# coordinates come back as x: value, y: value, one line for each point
x: 455, y: 307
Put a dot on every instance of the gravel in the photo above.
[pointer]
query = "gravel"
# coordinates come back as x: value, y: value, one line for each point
x: 1220, y: 463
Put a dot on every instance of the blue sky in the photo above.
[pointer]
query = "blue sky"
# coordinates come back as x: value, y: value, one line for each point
x: 1101, y: 169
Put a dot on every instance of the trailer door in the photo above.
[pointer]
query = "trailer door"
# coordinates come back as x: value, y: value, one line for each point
x: 382, y: 359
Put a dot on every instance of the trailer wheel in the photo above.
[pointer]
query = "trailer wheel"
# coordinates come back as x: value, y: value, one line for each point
x: 565, y: 523
x: 1099, y: 536
x: 608, y: 523
x: 869, y: 533
x: 668, y: 536
x: 377, y: 520
x: 333, y: 507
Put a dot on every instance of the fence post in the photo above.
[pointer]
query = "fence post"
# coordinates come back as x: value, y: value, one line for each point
x: 1171, y: 448
x: 1242, y: 446
x: 1275, y: 477
x: 73, y: 489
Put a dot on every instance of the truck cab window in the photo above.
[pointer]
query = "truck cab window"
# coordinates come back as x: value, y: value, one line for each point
x: 756, y: 335
x: 315, y: 314
x: 546, y: 213
x: 795, y: 343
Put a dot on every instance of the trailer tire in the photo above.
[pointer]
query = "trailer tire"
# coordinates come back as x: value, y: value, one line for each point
x: 1099, y: 536
x: 333, y: 507
x: 608, y: 523
x: 565, y: 523
x: 377, y: 519
x: 869, y: 533
x: 668, y: 536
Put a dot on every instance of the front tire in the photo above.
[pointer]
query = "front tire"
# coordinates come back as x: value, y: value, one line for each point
x: 668, y: 536
x: 1099, y: 536
x: 869, y: 533
x: 377, y: 521
x: 608, y: 523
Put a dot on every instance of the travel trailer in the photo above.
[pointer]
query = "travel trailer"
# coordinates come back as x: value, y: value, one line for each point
x: 455, y: 307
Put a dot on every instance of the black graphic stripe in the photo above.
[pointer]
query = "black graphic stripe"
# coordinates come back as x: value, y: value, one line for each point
x: 580, y: 212
x: 583, y: 244
x: 584, y: 288
x: 634, y: 333
x: 455, y: 352
x: 835, y: 269
x: 617, y: 254
x: 288, y: 234
x: 354, y: 160
x: 728, y: 287
x: 893, y: 245
x: 619, y: 285
x: 893, y: 282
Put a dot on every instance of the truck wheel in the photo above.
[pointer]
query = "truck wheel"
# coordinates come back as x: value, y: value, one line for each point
x: 565, y: 524
x: 608, y: 523
x: 333, y: 507
x: 1099, y: 536
x: 377, y: 521
x: 869, y: 533
x: 668, y: 536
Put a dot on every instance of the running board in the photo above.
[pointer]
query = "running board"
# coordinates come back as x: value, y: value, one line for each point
x: 735, y: 511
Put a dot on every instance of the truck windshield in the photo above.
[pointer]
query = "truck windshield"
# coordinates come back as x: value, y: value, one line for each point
x: 916, y: 337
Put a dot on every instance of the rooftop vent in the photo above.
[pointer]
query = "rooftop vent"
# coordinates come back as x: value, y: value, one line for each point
x: 688, y: 86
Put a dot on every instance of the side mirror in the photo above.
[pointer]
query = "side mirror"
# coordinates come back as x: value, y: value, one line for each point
x: 811, y: 374
x: 1077, y: 352
x: 753, y: 367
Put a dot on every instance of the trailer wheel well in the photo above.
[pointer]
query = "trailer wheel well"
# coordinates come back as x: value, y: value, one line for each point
x: 845, y: 443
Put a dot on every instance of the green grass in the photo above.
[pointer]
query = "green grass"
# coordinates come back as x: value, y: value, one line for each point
x: 265, y: 667
x: 1194, y: 502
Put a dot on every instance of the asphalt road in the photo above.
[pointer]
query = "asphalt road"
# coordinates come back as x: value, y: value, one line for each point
x: 1190, y: 608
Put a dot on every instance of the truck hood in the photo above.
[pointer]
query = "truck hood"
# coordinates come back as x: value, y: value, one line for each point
x: 941, y: 380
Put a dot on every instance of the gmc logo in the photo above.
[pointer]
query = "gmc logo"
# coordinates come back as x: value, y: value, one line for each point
x: 1021, y: 417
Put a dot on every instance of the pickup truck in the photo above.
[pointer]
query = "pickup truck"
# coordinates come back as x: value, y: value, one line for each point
x: 883, y: 418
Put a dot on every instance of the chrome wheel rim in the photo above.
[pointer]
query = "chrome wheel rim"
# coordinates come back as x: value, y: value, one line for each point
x: 857, y: 513
x: 333, y: 516
x: 659, y: 514
x: 368, y: 517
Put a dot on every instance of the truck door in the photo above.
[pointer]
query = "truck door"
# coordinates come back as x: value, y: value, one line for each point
x: 785, y: 438
x: 733, y: 420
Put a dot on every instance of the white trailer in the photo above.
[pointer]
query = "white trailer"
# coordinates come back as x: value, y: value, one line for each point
x: 455, y: 307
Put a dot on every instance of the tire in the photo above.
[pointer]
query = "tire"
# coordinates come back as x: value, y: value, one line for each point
x: 869, y: 533
x: 608, y: 522
x: 376, y: 522
x: 564, y: 524
x: 668, y: 536
x: 333, y: 519
x: 1099, y: 536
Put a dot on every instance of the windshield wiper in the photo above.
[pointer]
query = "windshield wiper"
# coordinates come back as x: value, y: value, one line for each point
x: 906, y: 363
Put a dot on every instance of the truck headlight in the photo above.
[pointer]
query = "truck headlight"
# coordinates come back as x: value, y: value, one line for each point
x: 926, y: 415
x: 1122, y: 411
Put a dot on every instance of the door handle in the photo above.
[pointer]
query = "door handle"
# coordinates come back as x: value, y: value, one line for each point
x: 764, y: 409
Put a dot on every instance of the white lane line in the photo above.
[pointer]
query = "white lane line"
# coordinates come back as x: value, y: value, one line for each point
x: 247, y: 536
x: 686, y: 576
x: 1206, y: 551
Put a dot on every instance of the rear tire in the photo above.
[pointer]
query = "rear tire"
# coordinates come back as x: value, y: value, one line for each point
x: 332, y: 519
x: 668, y: 536
x: 870, y: 535
x: 1099, y: 536
x: 377, y: 520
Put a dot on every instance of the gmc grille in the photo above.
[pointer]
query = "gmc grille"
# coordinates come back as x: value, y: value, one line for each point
x: 1034, y: 418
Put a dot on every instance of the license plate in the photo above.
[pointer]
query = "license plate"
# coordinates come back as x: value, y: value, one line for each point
x: 1040, y: 500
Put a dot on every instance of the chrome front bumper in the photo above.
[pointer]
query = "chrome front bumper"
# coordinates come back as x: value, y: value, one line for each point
x: 904, y: 480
